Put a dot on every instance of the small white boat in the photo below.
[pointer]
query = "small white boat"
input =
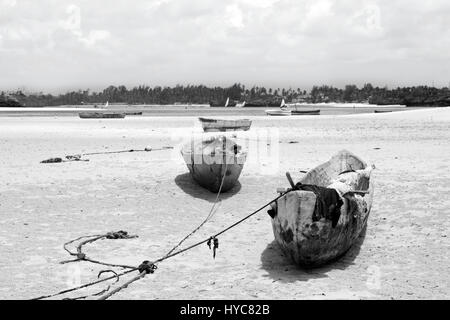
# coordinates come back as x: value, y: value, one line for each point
x: 240, y: 105
x: 278, y: 112
x: 283, y: 111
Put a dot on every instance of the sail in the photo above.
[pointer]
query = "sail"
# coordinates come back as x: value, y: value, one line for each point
x: 282, y: 103
x: 107, y: 104
x: 226, y: 103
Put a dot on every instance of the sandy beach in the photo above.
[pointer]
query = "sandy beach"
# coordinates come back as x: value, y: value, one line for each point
x: 404, y: 253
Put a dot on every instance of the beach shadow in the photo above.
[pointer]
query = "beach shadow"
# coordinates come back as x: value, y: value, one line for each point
x: 186, y: 183
x: 281, y: 268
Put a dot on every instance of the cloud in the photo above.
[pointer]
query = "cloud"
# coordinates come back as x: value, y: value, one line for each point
x: 266, y: 42
x: 234, y: 16
x: 73, y: 24
x: 7, y: 3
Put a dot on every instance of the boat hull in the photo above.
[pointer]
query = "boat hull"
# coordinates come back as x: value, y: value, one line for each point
x: 278, y: 112
x: 382, y: 111
x: 305, y: 112
x: 208, y: 170
x: 100, y: 115
x: 219, y: 125
x: 313, y: 243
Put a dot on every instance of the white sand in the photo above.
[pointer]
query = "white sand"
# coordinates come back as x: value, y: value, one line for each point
x: 405, y: 253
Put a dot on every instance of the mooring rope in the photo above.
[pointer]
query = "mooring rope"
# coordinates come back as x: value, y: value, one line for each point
x: 77, y: 157
x: 151, y: 266
x: 148, y: 267
x: 211, y: 213
x: 143, y: 273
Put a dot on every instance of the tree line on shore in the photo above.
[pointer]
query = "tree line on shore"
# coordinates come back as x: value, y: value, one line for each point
x: 255, y: 96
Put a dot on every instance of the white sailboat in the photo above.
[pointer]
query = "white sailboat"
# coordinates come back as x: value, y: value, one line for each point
x: 283, y: 111
x: 240, y: 105
x: 227, y: 102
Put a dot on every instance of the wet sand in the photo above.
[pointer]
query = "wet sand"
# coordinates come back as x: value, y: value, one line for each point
x: 196, y: 110
x: 403, y: 254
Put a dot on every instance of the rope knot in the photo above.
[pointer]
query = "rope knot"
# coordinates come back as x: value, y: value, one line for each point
x: 118, y: 235
x: 81, y: 256
x: 147, y: 267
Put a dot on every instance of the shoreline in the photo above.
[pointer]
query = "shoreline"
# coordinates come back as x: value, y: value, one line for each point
x: 174, y: 111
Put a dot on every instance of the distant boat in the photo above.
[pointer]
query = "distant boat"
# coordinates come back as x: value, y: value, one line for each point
x: 280, y: 112
x: 101, y: 115
x: 382, y: 111
x: 214, y: 164
x: 305, y: 112
x: 240, y: 105
x: 134, y: 113
x: 216, y: 125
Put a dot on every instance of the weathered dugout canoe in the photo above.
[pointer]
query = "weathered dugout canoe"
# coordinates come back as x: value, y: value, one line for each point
x: 212, y: 160
x: 311, y: 243
x: 221, y: 125
x: 101, y: 115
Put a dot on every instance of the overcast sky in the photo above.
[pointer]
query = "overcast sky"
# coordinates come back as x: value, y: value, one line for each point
x: 56, y: 45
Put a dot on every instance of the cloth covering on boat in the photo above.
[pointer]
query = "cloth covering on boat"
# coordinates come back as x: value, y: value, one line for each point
x: 328, y: 202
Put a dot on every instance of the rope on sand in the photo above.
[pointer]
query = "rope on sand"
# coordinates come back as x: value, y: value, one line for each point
x: 80, y: 255
x: 208, y: 240
x: 78, y: 157
x: 146, y: 266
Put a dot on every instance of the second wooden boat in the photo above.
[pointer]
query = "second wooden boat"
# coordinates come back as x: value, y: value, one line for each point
x: 216, y: 125
x: 320, y: 219
x: 214, y: 163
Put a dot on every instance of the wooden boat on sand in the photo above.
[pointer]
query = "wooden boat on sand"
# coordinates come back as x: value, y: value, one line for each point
x: 313, y: 239
x: 101, y: 115
x: 282, y: 111
x: 382, y: 111
x: 297, y: 112
x: 216, y: 125
x: 215, y: 163
x: 278, y: 112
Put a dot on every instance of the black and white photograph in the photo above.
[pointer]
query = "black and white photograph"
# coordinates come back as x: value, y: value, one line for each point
x: 241, y: 150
